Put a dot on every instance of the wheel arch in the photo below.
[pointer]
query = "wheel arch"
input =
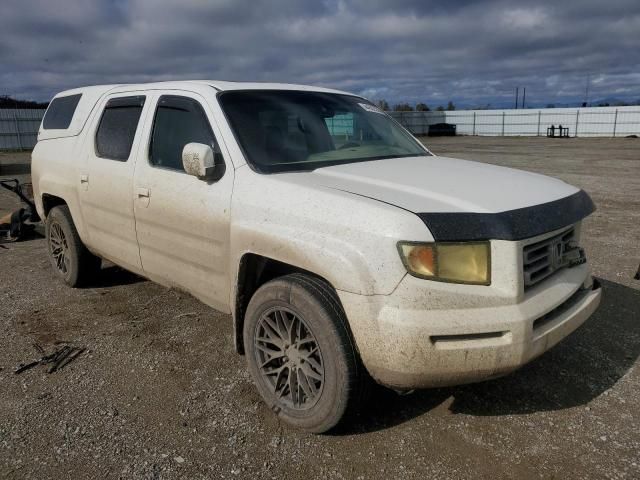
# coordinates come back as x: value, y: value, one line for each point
x: 50, y: 201
x: 254, y: 270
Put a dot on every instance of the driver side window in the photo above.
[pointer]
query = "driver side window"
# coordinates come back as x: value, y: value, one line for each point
x: 178, y: 121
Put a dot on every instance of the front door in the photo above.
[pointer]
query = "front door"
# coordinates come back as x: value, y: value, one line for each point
x: 182, y: 222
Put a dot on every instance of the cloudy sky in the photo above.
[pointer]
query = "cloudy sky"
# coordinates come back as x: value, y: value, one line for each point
x: 472, y: 52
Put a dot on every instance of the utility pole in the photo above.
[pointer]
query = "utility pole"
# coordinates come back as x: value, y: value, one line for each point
x: 516, y: 98
x: 586, y: 91
x: 524, y: 95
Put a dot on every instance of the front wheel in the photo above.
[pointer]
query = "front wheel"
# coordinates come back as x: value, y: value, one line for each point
x: 300, y: 352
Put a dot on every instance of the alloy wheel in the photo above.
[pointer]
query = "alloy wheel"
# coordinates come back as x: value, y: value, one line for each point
x: 59, y: 248
x: 289, y: 358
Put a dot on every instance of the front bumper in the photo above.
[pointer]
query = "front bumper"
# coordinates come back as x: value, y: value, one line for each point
x: 407, y: 340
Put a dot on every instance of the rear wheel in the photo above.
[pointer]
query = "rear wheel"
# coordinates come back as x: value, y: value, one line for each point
x: 300, y: 352
x: 69, y: 257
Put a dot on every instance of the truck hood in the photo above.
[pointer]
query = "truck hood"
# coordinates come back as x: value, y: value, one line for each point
x: 462, y: 199
x: 441, y: 184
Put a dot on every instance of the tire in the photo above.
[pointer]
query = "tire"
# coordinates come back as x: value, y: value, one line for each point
x: 70, y: 259
x: 279, y: 368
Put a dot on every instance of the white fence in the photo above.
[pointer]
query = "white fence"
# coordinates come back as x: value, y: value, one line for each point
x: 581, y: 122
x: 19, y: 128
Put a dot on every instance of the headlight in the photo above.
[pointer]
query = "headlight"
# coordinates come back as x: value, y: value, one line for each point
x: 468, y: 262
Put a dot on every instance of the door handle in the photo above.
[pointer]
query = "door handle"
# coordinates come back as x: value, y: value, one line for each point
x: 84, y: 181
x: 142, y: 192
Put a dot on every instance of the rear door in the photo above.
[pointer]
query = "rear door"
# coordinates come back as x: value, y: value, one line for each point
x: 106, y: 179
x: 182, y: 222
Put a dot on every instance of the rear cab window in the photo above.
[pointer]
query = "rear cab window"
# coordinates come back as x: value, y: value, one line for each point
x: 60, y: 112
x: 117, y: 128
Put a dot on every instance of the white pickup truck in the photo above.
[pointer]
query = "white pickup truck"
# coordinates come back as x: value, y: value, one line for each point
x: 342, y: 247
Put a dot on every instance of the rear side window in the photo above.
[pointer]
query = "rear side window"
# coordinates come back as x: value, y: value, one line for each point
x: 117, y: 128
x: 178, y: 121
x: 60, y: 112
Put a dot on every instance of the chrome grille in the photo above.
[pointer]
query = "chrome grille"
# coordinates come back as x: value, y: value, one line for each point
x: 542, y: 259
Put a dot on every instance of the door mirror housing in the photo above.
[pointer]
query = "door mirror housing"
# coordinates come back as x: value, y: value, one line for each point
x: 198, y: 160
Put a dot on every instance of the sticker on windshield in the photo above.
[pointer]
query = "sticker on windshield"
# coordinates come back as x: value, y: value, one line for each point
x: 370, y: 108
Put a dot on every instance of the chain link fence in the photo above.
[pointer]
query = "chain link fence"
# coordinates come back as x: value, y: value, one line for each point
x: 580, y: 122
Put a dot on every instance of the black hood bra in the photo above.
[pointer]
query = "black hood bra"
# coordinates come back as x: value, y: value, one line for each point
x: 515, y: 224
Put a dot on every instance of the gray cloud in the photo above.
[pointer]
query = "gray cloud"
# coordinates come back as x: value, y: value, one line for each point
x: 404, y: 50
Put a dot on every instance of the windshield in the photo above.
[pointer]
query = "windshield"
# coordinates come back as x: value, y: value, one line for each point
x: 285, y: 131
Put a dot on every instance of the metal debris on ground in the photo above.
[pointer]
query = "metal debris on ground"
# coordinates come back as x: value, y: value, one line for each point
x: 14, y: 226
x: 57, y: 360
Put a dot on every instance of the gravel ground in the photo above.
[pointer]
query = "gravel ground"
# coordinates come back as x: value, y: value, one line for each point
x: 159, y: 392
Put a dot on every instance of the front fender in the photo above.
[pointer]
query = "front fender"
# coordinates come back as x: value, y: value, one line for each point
x: 347, y: 239
x: 336, y: 260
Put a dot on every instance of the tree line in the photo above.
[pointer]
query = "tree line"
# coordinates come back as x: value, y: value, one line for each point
x: 8, y: 102
x: 423, y: 107
x: 419, y: 107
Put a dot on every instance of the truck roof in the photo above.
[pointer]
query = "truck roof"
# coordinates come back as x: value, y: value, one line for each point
x: 90, y: 95
x: 219, y: 85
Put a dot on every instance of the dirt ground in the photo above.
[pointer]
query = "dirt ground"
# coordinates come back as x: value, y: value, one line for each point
x: 159, y: 393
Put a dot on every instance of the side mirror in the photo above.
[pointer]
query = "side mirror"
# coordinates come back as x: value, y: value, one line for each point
x: 198, y: 160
